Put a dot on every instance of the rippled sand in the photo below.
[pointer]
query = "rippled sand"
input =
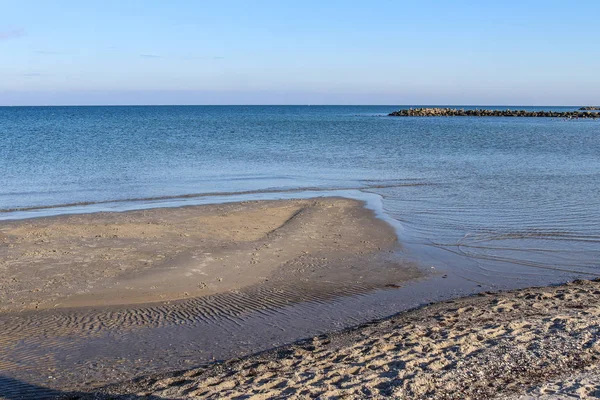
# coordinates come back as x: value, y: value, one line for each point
x: 533, y: 341
x: 88, y: 300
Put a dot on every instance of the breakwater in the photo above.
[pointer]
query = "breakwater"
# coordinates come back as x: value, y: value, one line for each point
x: 455, y: 112
x: 590, y: 108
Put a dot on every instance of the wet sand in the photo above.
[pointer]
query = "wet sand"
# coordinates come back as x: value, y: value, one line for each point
x: 169, y: 254
x: 525, y: 344
x: 87, y: 300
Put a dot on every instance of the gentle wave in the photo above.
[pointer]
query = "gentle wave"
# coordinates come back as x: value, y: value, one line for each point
x: 151, y: 202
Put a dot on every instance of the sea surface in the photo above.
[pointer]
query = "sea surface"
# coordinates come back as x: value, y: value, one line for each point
x: 483, y: 203
x: 493, y: 199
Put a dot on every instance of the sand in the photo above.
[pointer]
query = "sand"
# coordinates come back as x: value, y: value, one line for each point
x: 584, y: 385
x: 531, y: 343
x: 67, y: 281
x: 168, y: 254
x: 87, y: 300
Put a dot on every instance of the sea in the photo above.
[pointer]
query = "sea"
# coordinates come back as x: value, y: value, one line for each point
x: 484, y: 203
x: 491, y: 199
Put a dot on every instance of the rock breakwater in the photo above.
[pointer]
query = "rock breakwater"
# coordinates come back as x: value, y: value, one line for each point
x: 455, y: 112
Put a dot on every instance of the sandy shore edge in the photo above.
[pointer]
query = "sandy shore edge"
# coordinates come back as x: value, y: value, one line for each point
x: 530, y: 343
x: 117, y: 282
x: 166, y: 254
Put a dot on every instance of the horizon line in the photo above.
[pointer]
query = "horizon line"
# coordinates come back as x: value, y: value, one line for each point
x: 297, y: 105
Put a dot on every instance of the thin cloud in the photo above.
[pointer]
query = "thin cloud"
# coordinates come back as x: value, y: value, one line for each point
x: 48, y: 53
x: 31, y: 74
x: 150, y: 56
x: 195, y: 58
x: 11, y: 34
x: 28, y: 74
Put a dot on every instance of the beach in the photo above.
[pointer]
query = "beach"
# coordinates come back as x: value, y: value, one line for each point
x: 309, y: 200
x: 86, y: 285
x: 170, y: 254
x: 537, y: 343
x: 72, y: 282
x: 148, y: 240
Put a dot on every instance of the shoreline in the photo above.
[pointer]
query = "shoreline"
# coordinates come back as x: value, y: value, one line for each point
x: 148, y: 313
x: 86, y: 300
x: 533, y: 343
x: 199, y: 199
x: 152, y: 255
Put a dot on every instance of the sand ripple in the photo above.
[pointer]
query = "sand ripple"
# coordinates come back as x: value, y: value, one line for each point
x: 473, y: 348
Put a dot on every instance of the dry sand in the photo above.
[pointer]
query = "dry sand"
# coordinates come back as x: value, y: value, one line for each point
x: 530, y: 343
x: 584, y: 385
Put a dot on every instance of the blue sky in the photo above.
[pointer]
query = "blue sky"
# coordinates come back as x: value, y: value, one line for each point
x: 302, y: 52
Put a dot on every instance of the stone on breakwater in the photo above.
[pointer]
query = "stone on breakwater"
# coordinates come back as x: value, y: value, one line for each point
x: 590, y: 108
x: 454, y: 112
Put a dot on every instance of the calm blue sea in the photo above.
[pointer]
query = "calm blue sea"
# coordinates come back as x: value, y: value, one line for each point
x: 495, y: 201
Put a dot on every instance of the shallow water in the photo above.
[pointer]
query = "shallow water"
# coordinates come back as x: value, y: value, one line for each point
x: 493, y: 198
x: 492, y: 203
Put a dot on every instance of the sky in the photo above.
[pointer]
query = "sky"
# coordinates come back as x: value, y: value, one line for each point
x: 64, y: 52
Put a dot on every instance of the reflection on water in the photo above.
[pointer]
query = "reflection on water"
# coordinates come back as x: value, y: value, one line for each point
x: 522, y: 230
